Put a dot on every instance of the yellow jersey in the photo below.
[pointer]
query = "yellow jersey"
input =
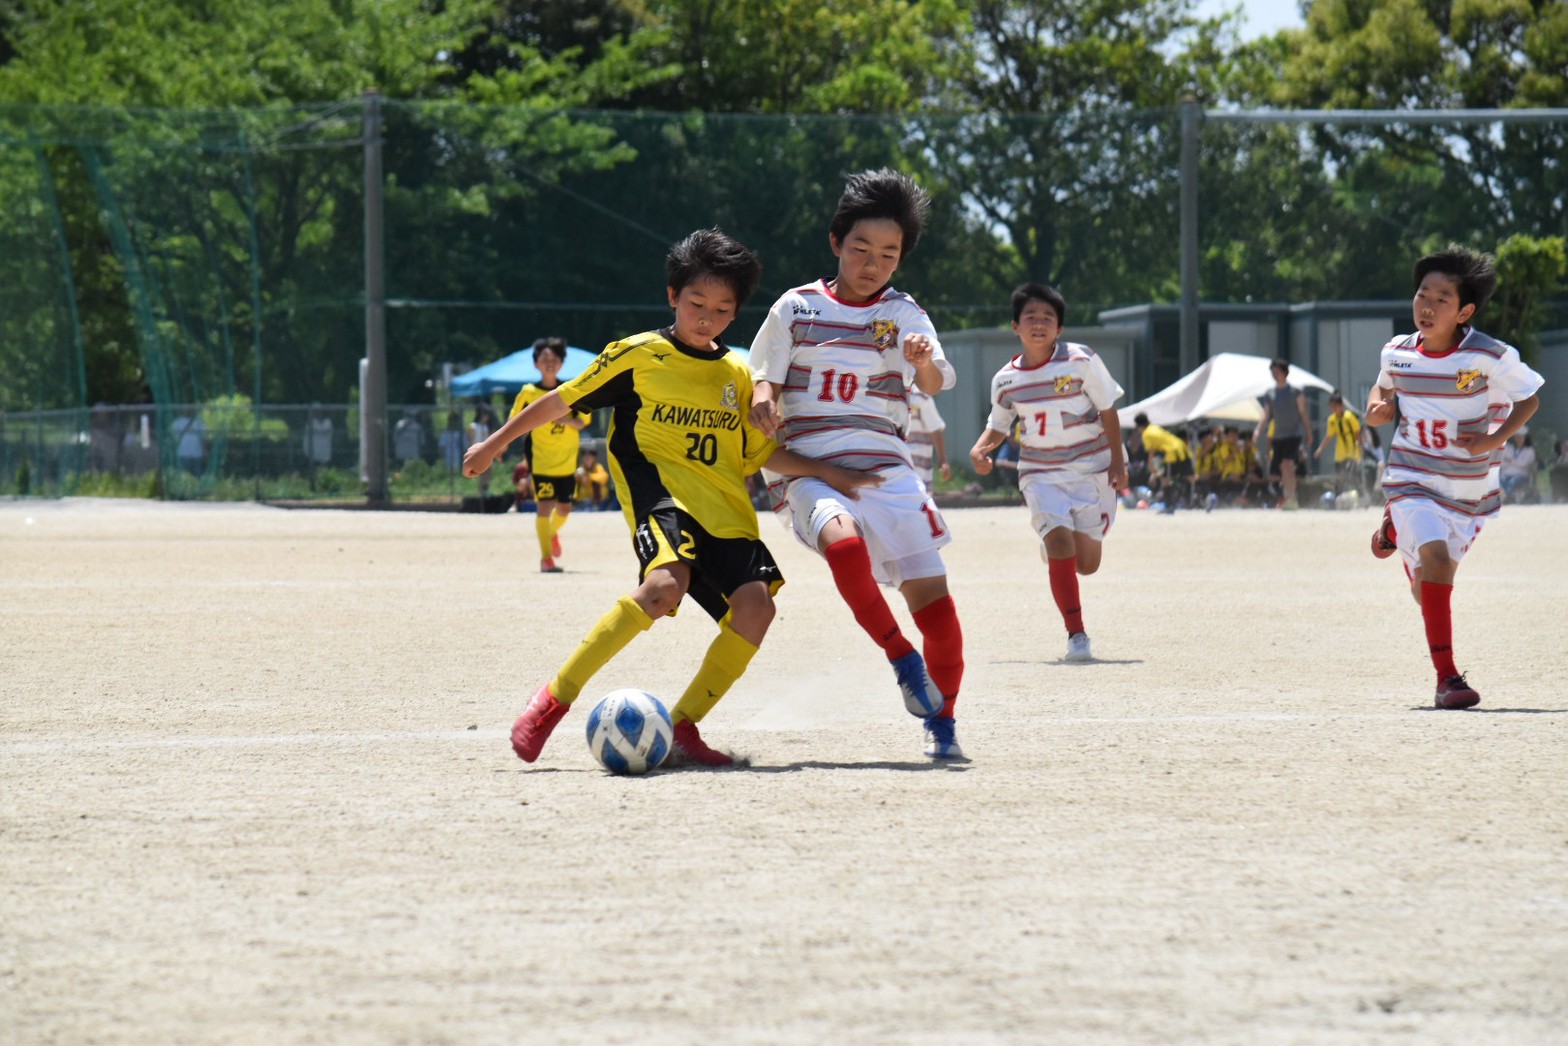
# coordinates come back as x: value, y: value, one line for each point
x: 679, y: 432
x: 553, y: 447
x: 1160, y: 441
x: 1346, y: 430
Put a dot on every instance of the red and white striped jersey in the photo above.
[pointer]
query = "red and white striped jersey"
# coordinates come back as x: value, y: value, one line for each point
x: 844, y: 381
x: 1057, y: 406
x: 1467, y: 390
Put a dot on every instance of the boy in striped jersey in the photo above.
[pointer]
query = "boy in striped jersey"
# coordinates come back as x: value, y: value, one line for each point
x: 680, y: 449
x: 834, y: 363
x: 1459, y: 395
x: 1072, y: 462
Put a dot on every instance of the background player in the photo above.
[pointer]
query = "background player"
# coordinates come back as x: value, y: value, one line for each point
x: 680, y: 448
x: 1460, y: 395
x: 552, y: 453
x: 833, y: 363
x: 927, y: 439
x: 1072, y: 462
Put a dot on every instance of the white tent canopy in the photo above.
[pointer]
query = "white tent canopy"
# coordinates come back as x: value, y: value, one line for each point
x: 1226, y: 387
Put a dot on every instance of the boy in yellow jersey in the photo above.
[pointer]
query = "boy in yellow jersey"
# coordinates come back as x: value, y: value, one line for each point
x: 552, y: 453
x: 681, y: 447
x: 1344, y: 431
x: 1177, y: 474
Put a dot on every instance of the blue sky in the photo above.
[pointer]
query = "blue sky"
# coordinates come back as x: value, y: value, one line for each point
x: 1263, y: 17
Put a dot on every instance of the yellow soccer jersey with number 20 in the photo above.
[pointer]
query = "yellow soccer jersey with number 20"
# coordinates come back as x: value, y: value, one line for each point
x: 678, y: 429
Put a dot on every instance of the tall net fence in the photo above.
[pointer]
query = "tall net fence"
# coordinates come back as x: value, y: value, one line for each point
x: 170, y: 273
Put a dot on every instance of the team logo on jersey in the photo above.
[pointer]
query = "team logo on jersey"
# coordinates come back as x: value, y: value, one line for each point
x: 729, y: 398
x: 1063, y: 383
x: 884, y: 333
x: 1465, y: 379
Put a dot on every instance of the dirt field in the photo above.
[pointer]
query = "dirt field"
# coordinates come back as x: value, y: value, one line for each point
x: 255, y: 787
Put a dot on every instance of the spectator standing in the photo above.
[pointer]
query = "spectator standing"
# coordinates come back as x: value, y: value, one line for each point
x: 1516, y: 470
x: 1285, y: 406
x: 318, y: 438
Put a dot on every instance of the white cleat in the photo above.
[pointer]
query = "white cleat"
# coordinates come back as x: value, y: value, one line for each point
x: 942, y: 739
x: 1078, y: 647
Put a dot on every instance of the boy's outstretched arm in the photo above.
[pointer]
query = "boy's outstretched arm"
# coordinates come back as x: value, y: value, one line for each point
x: 539, y: 412
x: 1112, y: 423
x: 846, y: 481
x: 980, y: 453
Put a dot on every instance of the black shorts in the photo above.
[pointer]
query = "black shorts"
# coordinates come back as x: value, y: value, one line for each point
x: 1286, y: 449
x: 719, y: 566
x: 555, y: 488
x: 1179, y: 469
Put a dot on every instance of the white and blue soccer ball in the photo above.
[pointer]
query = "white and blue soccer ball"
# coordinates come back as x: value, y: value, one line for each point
x: 630, y: 732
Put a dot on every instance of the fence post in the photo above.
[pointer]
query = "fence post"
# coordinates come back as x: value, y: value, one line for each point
x: 1191, y: 121
x: 374, y: 393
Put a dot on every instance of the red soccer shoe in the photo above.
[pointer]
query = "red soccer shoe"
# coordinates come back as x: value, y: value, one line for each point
x: 690, y: 746
x: 1454, y: 692
x: 1383, y: 544
x: 533, y: 727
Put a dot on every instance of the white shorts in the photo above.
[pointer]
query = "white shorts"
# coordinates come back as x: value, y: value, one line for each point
x: 1419, y: 521
x: 901, y: 525
x: 1083, y: 502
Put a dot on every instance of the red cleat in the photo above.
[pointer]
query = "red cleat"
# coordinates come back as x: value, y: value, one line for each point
x: 690, y: 746
x: 1383, y: 537
x: 533, y: 727
x: 555, y: 545
x: 1454, y: 692
x: 547, y: 566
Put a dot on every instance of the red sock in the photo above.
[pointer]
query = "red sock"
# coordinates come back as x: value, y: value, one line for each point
x: 851, y: 567
x: 1064, y: 589
x: 1437, y: 615
x: 943, y: 648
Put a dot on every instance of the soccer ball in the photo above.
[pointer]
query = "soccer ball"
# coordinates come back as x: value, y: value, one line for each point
x: 630, y: 732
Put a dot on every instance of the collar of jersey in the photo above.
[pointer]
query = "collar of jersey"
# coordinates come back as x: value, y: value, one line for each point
x: 824, y: 281
x: 668, y: 334
x: 1466, y: 330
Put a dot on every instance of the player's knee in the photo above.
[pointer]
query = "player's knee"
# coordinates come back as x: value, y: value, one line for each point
x: 660, y: 592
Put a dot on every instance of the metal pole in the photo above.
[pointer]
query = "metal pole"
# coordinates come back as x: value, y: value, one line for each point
x: 1191, y: 121
x: 374, y: 393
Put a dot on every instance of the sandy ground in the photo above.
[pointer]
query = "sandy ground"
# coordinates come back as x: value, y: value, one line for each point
x: 255, y: 787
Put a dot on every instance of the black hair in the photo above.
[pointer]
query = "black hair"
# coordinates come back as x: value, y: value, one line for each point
x: 1028, y: 292
x: 1475, y: 273
x: 886, y: 193
x: 1141, y: 420
x: 1336, y: 397
x: 1280, y: 363
x: 713, y: 253
x: 556, y: 345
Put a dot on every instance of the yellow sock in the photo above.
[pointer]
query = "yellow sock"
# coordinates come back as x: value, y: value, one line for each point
x: 557, y: 521
x: 543, y: 529
x: 624, y: 623
x: 727, y: 658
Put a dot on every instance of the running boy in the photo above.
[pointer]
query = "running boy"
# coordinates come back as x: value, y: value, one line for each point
x: 552, y: 453
x: 1459, y: 395
x: 833, y: 363
x: 680, y: 448
x: 1073, y: 462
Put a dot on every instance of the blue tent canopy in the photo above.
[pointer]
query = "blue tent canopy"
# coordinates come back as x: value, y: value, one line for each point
x: 510, y: 373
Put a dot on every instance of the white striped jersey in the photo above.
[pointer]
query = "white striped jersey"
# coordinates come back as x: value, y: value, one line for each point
x: 1057, y: 406
x: 844, y: 381
x: 1468, y: 390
